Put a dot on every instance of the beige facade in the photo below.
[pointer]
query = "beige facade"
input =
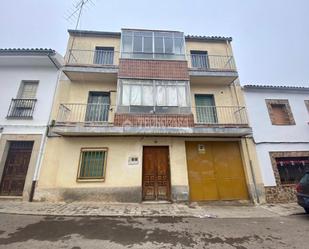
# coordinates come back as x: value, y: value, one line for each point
x: 123, y: 182
x: 58, y: 179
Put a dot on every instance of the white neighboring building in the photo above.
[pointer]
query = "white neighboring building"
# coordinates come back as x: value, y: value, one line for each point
x: 28, y: 80
x: 279, y: 116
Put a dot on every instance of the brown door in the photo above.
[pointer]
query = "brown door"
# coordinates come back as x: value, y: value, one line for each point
x: 15, y: 169
x: 156, y: 173
x: 215, y: 171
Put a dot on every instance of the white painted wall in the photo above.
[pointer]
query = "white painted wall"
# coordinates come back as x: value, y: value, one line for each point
x: 260, y: 121
x: 270, y: 137
x: 10, y: 80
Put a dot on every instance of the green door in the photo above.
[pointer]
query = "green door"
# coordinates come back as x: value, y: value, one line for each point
x: 205, y: 109
x: 97, y: 107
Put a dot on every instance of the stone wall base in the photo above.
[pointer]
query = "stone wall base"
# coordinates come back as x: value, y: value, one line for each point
x: 107, y: 194
x: 280, y: 194
x: 111, y: 194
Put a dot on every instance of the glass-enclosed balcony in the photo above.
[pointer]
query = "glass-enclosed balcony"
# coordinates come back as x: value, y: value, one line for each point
x: 144, y: 44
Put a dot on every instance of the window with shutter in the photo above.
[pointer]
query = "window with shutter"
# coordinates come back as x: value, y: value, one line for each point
x: 28, y: 90
x: 280, y: 112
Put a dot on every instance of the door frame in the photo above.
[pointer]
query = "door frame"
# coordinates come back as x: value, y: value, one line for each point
x: 5, y: 160
x: 4, y: 144
x: 169, y: 198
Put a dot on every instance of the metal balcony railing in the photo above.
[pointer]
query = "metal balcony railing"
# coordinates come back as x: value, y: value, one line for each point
x: 97, y: 114
x: 110, y: 57
x: 91, y: 57
x: 21, y: 108
x: 220, y: 115
x: 103, y: 114
x: 212, y: 62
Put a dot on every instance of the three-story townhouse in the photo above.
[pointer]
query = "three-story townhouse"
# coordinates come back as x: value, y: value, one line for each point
x: 28, y: 79
x: 279, y: 117
x: 149, y: 115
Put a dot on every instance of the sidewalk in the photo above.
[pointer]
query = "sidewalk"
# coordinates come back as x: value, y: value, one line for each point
x: 147, y: 210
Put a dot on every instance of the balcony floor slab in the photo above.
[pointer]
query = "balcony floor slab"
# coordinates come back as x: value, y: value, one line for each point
x: 149, y: 131
x: 213, y: 77
x: 91, y: 73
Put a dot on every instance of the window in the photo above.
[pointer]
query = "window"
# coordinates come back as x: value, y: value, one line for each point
x: 23, y: 105
x: 92, y: 164
x: 152, y: 44
x: 280, y: 112
x: 205, y: 109
x: 199, y: 59
x: 27, y: 90
x: 104, y: 56
x: 98, y: 107
x: 153, y: 93
x: 292, y: 169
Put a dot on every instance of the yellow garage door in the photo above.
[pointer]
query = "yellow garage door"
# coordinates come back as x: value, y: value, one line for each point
x: 215, y: 171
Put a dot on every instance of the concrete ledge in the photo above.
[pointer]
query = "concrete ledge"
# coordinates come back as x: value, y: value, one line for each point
x: 222, y: 73
x: 164, y: 131
x: 90, y: 69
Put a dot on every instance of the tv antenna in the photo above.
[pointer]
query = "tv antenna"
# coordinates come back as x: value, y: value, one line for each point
x: 75, y: 14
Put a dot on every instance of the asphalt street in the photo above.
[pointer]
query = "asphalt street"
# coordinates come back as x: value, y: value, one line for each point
x: 27, y: 231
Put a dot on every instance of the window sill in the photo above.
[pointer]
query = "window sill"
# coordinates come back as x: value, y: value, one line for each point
x: 91, y: 180
x: 14, y: 117
x: 284, y: 124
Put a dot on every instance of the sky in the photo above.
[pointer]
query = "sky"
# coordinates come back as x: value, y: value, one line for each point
x: 270, y: 37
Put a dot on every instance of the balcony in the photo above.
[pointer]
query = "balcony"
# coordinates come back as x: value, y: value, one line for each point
x: 224, y: 116
x: 105, y: 119
x: 85, y: 115
x: 215, y: 69
x: 21, y: 109
x: 92, y: 65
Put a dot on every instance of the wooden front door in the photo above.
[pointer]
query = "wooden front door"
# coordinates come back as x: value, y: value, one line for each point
x: 156, y: 173
x: 16, y: 167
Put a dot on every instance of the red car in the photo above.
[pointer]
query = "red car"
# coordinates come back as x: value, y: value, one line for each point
x: 302, y: 190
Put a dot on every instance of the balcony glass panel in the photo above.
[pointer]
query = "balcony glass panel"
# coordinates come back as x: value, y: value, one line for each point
x: 152, y: 45
x: 153, y: 95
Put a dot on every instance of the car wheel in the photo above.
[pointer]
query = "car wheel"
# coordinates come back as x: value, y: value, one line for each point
x: 307, y: 210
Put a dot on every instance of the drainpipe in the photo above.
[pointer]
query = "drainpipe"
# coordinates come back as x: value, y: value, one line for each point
x: 38, y: 165
x: 44, y: 138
